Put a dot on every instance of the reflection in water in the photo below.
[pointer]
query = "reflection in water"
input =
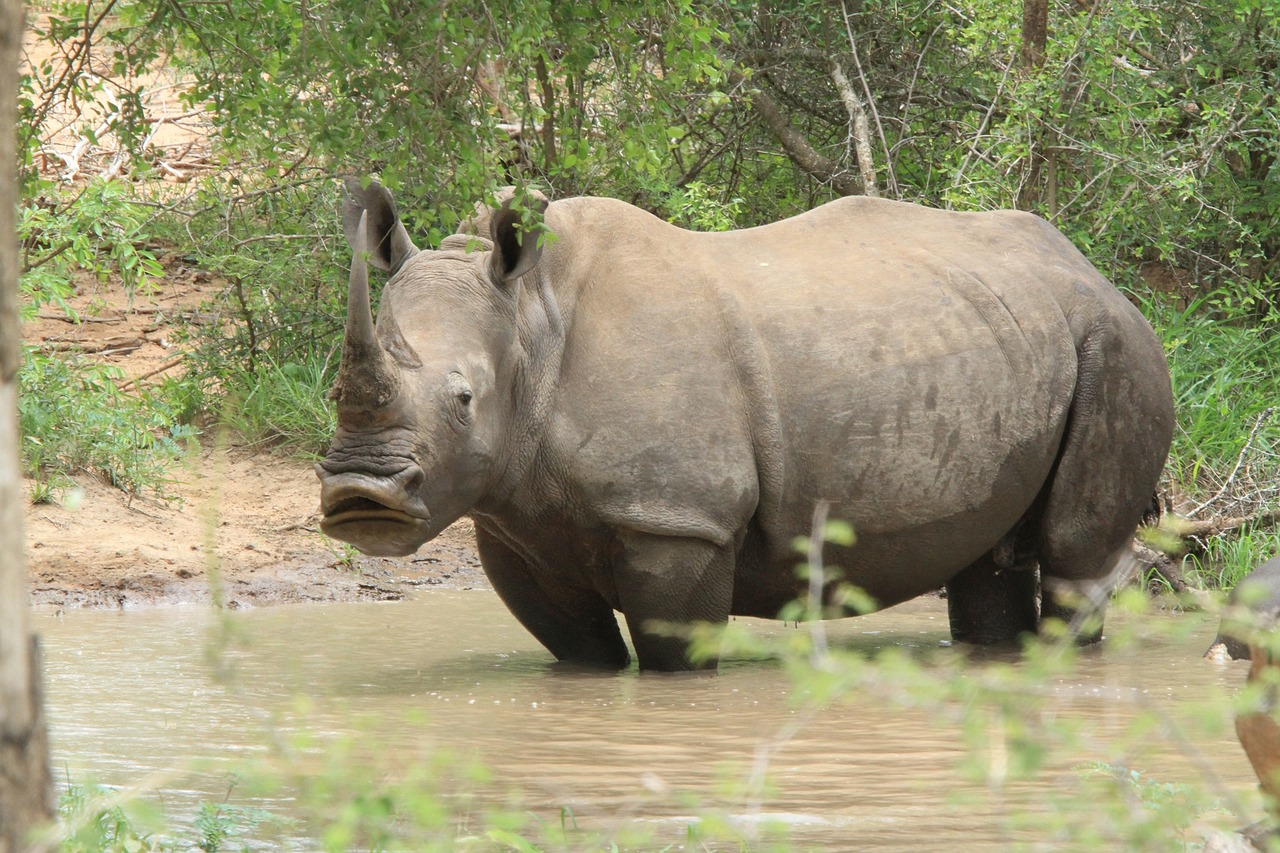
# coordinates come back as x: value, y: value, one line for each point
x: 133, y: 699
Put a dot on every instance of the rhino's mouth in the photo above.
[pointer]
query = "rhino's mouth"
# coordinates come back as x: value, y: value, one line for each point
x: 376, y: 514
x: 360, y: 507
x: 376, y: 529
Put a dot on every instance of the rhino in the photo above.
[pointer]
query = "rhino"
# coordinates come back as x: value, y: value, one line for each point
x: 640, y: 418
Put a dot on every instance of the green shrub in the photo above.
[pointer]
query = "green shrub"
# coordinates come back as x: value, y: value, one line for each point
x: 90, y: 823
x: 94, y: 819
x: 74, y: 417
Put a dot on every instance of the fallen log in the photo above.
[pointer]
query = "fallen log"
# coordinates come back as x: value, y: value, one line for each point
x: 1187, y: 527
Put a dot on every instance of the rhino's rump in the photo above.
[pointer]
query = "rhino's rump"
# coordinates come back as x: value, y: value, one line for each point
x: 929, y: 414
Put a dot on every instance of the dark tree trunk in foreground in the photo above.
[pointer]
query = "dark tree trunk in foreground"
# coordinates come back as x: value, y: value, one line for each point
x: 25, y: 787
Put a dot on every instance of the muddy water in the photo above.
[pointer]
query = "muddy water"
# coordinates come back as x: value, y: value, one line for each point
x: 134, y: 700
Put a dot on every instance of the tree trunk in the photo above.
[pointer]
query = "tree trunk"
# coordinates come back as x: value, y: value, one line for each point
x: 1035, y: 32
x: 859, y: 129
x: 1035, y: 38
x: 26, y: 791
x: 548, y: 87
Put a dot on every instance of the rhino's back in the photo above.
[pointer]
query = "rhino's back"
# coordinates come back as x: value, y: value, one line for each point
x: 926, y: 345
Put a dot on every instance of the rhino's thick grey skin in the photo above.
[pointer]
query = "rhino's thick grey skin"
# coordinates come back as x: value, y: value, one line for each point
x: 1253, y: 607
x: 641, y: 419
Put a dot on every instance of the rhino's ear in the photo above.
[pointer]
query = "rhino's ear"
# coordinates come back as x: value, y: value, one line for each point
x: 515, y: 248
x: 388, y: 242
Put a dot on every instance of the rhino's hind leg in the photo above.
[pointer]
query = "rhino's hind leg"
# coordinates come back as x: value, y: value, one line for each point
x: 666, y: 583
x: 990, y: 605
x: 577, y: 626
x: 1081, y: 603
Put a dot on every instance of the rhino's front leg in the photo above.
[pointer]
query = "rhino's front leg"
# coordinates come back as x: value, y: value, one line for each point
x: 577, y: 626
x: 665, y: 583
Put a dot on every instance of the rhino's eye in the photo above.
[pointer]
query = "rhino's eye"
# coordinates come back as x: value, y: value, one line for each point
x: 460, y: 390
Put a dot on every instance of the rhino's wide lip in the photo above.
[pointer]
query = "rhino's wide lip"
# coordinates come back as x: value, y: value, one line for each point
x: 376, y: 529
x: 379, y: 514
x: 360, y: 508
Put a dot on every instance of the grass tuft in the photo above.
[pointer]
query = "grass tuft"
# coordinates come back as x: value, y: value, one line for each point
x: 1225, y: 460
x: 285, y: 405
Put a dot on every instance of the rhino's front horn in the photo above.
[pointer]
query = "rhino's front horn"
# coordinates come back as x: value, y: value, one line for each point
x: 367, y: 378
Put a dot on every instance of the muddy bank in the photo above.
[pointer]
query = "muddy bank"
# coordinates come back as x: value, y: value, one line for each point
x: 242, y: 526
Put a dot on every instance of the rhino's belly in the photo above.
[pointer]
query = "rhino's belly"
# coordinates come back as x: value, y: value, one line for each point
x: 924, y: 502
x: 933, y: 453
x: 890, y: 566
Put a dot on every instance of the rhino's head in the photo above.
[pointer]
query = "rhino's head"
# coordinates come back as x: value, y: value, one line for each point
x: 425, y: 396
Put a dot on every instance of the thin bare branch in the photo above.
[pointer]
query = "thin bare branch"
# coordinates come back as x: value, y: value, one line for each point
x: 859, y: 130
x: 1262, y: 418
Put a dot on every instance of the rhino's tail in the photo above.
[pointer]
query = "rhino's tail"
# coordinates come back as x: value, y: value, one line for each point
x: 1152, y: 514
